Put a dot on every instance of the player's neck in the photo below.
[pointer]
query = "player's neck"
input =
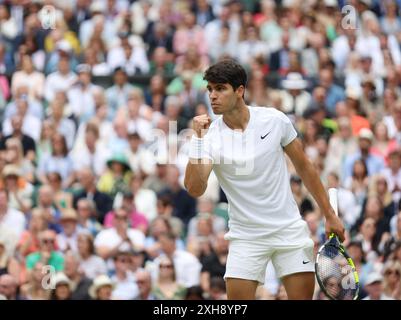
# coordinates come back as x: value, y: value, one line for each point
x: 238, y: 117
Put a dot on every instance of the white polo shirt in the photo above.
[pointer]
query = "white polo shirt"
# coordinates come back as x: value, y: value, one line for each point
x: 250, y: 166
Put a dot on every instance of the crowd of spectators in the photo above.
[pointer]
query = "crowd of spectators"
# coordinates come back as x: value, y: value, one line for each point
x: 96, y: 102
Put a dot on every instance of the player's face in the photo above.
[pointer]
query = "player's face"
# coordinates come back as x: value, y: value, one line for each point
x: 222, y: 96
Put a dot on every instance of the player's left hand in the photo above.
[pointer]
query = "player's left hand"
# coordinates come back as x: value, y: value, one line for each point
x: 335, y: 225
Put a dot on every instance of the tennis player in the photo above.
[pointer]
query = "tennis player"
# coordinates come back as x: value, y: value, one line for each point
x: 245, y: 147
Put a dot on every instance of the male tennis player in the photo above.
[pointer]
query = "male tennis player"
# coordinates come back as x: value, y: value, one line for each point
x: 245, y: 148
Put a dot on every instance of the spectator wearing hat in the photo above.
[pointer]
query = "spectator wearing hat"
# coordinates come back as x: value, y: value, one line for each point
x: 103, y: 202
x: 294, y: 96
x: 79, y: 282
x: 19, y: 190
x: 124, y: 280
x: 62, y: 287
x: 47, y: 252
x: 374, y: 288
x: 61, y: 42
x: 374, y: 163
x: 102, y: 288
x: 117, y: 95
x: 117, y: 176
x: 67, y: 238
x: 90, y: 264
x: 80, y: 95
x: 60, y: 80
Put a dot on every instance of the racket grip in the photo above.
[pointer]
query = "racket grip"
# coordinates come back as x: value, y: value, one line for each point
x: 333, y: 199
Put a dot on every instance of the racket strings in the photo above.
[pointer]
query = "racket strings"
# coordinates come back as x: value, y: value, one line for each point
x: 336, y: 274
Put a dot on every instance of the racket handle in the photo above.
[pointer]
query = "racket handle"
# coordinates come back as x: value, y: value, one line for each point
x: 333, y: 199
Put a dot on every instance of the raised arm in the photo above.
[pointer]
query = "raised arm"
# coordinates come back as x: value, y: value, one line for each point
x: 199, y: 167
x: 312, y: 182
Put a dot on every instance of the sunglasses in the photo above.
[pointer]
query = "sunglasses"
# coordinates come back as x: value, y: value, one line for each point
x: 48, y: 240
x: 141, y: 281
x: 166, y: 266
x: 121, y: 218
x: 389, y: 272
x: 123, y: 260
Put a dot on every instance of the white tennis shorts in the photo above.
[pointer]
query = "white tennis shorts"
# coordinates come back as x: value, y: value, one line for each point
x: 290, y: 249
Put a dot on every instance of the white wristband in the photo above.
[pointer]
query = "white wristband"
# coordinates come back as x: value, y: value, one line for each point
x: 196, y: 148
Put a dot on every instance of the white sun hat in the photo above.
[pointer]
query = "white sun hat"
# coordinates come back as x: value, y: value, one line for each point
x: 294, y: 81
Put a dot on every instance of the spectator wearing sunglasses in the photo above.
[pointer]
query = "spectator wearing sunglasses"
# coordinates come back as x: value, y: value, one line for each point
x: 144, y: 282
x: 125, y: 283
x: 392, y: 279
x: 46, y: 253
x: 166, y: 286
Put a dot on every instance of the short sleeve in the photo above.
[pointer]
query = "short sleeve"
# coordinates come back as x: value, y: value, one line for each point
x: 288, y: 132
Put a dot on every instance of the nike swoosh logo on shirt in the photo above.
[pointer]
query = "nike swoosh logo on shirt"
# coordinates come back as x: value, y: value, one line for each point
x: 262, y: 137
x: 305, y: 262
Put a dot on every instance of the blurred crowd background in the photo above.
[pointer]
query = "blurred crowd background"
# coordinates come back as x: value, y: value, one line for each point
x: 96, y: 98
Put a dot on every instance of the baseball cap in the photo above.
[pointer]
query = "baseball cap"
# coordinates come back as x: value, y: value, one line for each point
x: 365, y: 133
x: 373, y: 278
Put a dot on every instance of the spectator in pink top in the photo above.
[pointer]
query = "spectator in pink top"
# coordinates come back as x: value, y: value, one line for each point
x: 189, y: 33
x: 136, y: 219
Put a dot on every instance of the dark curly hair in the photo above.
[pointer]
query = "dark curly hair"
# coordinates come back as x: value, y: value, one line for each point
x: 227, y: 71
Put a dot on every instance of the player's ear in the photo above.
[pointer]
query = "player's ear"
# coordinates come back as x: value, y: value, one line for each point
x: 240, y: 91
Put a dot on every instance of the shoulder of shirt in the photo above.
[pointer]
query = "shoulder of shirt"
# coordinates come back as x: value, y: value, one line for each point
x: 268, y: 112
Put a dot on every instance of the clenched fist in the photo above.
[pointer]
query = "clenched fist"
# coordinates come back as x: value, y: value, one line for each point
x: 201, y: 124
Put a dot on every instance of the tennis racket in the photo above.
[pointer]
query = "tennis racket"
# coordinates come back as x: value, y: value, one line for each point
x: 335, y: 270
